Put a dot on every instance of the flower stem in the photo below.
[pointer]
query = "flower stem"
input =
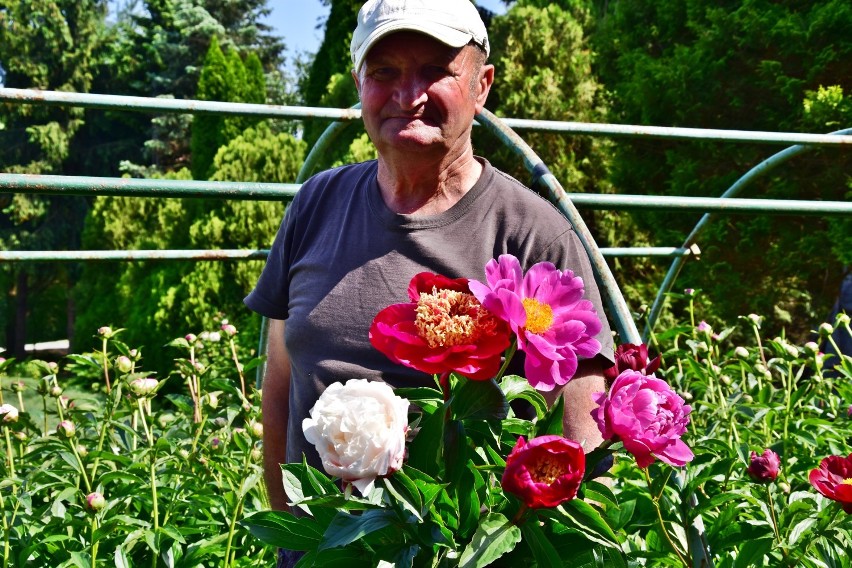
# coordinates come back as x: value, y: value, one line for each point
x: 238, y: 510
x: 239, y: 367
x: 510, y: 353
x: 85, y: 476
x: 656, y: 500
x: 10, y: 455
x: 94, y: 527
x: 774, y: 520
x: 106, y: 365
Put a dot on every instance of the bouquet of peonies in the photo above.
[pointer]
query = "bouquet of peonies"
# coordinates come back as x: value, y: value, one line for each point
x: 464, y: 481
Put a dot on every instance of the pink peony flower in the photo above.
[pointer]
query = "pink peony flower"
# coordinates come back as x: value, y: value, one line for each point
x: 764, y: 467
x: 9, y: 413
x: 444, y: 328
x: 633, y: 357
x: 546, y: 471
x: 833, y: 478
x: 647, y: 416
x: 545, y: 308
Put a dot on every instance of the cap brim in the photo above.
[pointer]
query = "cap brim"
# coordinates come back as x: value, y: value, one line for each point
x: 447, y: 36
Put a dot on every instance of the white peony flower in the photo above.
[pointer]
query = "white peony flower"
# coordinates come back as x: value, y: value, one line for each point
x: 359, y: 429
x: 9, y: 413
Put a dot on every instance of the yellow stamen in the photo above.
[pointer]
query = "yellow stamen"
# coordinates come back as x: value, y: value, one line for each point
x: 445, y: 318
x: 847, y: 481
x: 539, y: 316
x: 546, y: 472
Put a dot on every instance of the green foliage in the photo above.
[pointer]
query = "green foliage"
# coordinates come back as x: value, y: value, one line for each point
x: 157, y: 299
x: 174, y: 473
x: 746, y: 66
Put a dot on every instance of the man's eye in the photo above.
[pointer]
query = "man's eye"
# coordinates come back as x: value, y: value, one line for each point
x: 382, y: 73
x: 437, y: 71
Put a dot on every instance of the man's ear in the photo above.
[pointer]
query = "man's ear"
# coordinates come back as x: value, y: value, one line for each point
x: 357, y: 80
x: 486, y: 79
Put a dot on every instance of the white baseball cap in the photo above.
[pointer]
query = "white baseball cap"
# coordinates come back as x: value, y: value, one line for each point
x: 452, y: 22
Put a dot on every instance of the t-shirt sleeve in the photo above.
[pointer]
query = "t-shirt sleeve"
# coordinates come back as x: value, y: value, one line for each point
x: 271, y: 294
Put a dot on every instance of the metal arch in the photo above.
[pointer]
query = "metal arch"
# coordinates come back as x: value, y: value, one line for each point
x: 677, y: 264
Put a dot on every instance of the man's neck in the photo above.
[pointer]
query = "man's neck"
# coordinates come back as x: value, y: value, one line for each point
x: 421, y: 186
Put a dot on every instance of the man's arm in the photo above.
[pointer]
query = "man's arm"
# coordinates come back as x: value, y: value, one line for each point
x: 275, y: 405
x: 577, y: 421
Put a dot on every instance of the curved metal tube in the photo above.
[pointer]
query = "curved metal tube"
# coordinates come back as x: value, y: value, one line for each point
x: 762, y: 168
x: 624, y: 323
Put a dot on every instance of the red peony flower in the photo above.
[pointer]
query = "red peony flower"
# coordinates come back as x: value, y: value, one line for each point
x: 544, y: 472
x: 833, y: 478
x: 764, y: 467
x: 632, y: 357
x: 444, y: 328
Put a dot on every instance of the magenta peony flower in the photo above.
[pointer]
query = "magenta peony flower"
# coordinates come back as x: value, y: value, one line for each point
x: 833, y: 478
x: 545, y: 309
x: 544, y: 472
x: 632, y: 357
x: 444, y: 328
x: 647, y: 416
x: 764, y: 467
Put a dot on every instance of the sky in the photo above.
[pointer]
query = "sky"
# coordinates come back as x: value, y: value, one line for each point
x: 296, y: 21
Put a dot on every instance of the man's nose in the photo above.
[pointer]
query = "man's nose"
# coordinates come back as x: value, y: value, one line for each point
x: 411, y: 92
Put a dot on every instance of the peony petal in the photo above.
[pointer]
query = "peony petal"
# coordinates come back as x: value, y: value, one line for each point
x: 677, y: 454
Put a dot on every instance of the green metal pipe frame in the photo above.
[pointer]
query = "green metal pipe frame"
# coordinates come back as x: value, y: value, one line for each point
x: 169, y: 105
x: 246, y: 254
x: 759, y: 170
x: 96, y: 186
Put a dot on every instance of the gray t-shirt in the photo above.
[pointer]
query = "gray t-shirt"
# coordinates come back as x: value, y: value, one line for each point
x: 341, y: 256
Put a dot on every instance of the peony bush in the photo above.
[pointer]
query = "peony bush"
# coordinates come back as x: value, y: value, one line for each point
x: 96, y: 473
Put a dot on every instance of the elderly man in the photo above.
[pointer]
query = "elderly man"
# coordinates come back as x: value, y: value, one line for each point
x: 354, y: 236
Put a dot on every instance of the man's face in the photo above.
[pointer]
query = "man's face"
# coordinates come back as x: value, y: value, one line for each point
x: 418, y: 94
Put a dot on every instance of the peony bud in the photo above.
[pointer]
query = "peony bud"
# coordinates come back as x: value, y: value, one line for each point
x: 229, y: 329
x: 764, y: 467
x: 689, y: 292
x: 105, y: 332
x: 55, y: 391
x: 54, y: 368
x: 755, y: 320
x: 95, y: 501
x: 705, y: 328
x: 841, y: 319
x: 67, y: 429
x: 741, y: 352
x: 134, y: 354
x: 725, y: 380
x: 21, y: 436
x: 826, y: 329
x: 18, y: 386
x: 9, y: 413
x: 256, y: 429
x: 256, y: 455
x: 217, y: 445
x: 212, y: 400
x: 190, y: 337
x: 214, y: 337
x: 144, y: 387
x: 812, y: 347
x: 123, y: 364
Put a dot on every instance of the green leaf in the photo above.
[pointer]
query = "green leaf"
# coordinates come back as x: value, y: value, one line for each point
x: 751, y: 553
x: 346, y: 528
x: 409, y: 500
x: 543, y: 551
x: 581, y: 517
x: 424, y: 452
x: 479, y: 400
x: 515, y: 387
x: 801, y: 528
x: 551, y: 422
x: 87, y: 360
x: 284, y: 530
x: 495, y: 537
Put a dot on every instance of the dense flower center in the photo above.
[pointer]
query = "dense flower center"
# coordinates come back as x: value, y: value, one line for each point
x: 539, y: 316
x: 447, y: 317
x: 847, y: 481
x: 546, y: 472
